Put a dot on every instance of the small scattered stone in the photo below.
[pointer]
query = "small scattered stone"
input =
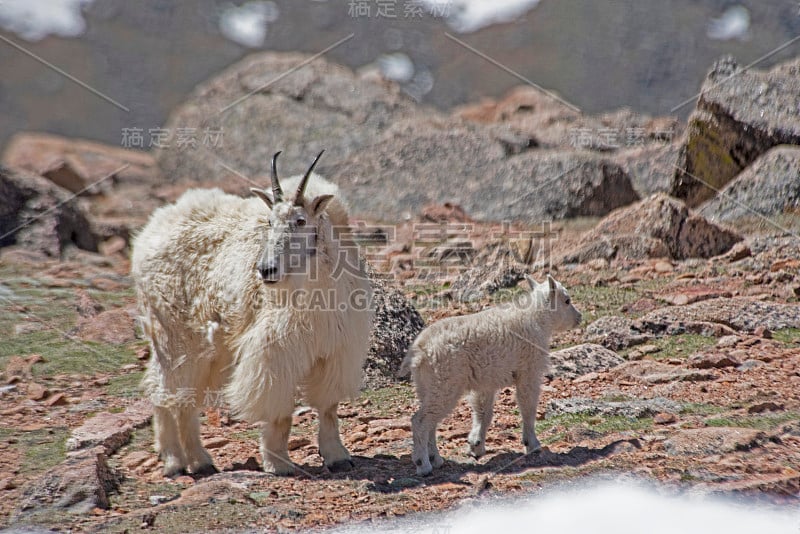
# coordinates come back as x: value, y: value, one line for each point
x: 113, y: 245
x: 649, y: 349
x: 158, y: 499
x: 750, y: 364
x: 37, y: 392
x: 714, y: 360
x: 764, y: 332
x: 297, y: 443
x: 251, y: 464
x: 143, y: 353
x: 727, y: 341
x: 739, y: 251
x: 7, y: 484
x: 663, y: 267
x: 186, y: 480
x: 664, y: 418
x: 216, y: 443
x: 355, y: 437
x: 767, y: 406
x: 679, y: 300
x: 135, y: 459
x: 59, y: 399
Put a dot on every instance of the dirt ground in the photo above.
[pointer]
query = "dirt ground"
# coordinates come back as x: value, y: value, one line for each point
x: 71, y: 351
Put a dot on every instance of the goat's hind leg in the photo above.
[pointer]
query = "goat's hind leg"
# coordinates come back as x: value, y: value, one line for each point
x: 482, y: 403
x: 274, y: 445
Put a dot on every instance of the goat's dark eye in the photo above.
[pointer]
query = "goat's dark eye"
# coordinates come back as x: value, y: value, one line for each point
x: 566, y: 302
x: 301, y: 222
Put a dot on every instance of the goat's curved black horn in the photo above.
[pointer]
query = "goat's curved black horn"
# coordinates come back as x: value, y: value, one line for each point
x: 277, y: 192
x: 298, y: 198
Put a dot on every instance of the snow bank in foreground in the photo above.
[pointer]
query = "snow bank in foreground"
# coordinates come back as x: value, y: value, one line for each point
x: 599, y: 508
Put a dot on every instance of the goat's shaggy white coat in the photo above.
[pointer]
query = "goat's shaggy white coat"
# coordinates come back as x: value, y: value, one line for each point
x: 480, y: 353
x: 215, y: 325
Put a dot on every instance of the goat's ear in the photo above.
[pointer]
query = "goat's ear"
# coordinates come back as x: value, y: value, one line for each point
x: 263, y: 195
x: 552, y: 283
x: 319, y: 203
x: 531, y: 282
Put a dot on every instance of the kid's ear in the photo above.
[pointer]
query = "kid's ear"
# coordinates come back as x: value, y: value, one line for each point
x: 263, y: 195
x: 319, y: 203
x: 531, y: 281
x: 552, y: 283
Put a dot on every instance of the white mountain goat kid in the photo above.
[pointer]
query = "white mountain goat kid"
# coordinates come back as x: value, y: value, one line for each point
x: 253, y: 304
x: 480, y: 353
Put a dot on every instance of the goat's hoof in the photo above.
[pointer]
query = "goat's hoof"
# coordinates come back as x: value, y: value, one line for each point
x: 436, y: 461
x: 205, y: 470
x: 341, y: 466
x: 174, y: 472
x: 424, y: 471
x: 280, y: 471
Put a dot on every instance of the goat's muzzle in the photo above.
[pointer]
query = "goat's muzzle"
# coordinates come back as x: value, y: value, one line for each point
x: 269, y: 271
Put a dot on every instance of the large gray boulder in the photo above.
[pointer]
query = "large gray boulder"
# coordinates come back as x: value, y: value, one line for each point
x: 265, y: 103
x: 768, y: 187
x: 740, y: 114
x: 423, y: 162
x: 396, y: 325
x: 388, y: 155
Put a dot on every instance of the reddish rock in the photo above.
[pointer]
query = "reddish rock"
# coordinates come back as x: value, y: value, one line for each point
x: 739, y: 251
x: 767, y: 406
x: 135, y: 459
x: 713, y: 360
x: 37, y: 392
x: 112, y: 245
x: 86, y: 305
x: 652, y: 372
x: 446, y: 212
x: 389, y: 424
x: 59, y: 399
x: 713, y: 440
x: 110, y: 430
x: 76, y: 164
x: 18, y: 367
x: 298, y: 443
x: 111, y: 326
x: 80, y: 484
x: 764, y: 332
x: 41, y: 217
x: 216, y: 443
x: 658, y: 226
x: 357, y: 436
x: 664, y: 418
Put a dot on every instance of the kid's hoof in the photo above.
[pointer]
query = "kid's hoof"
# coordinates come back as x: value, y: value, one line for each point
x: 424, y: 471
x: 341, y: 466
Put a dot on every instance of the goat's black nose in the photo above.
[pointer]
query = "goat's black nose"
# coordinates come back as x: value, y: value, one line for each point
x: 268, y: 271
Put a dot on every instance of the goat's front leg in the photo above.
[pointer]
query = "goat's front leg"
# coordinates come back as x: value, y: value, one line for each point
x: 482, y: 403
x: 275, y: 446
x: 529, y: 386
x: 334, y: 454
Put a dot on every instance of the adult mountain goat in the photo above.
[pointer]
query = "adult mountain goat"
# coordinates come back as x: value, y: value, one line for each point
x: 480, y: 353
x: 257, y: 303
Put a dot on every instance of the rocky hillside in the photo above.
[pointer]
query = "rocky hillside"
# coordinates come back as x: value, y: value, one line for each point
x: 678, y: 242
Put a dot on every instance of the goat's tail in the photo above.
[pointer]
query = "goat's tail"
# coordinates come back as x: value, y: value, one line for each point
x: 405, y: 367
